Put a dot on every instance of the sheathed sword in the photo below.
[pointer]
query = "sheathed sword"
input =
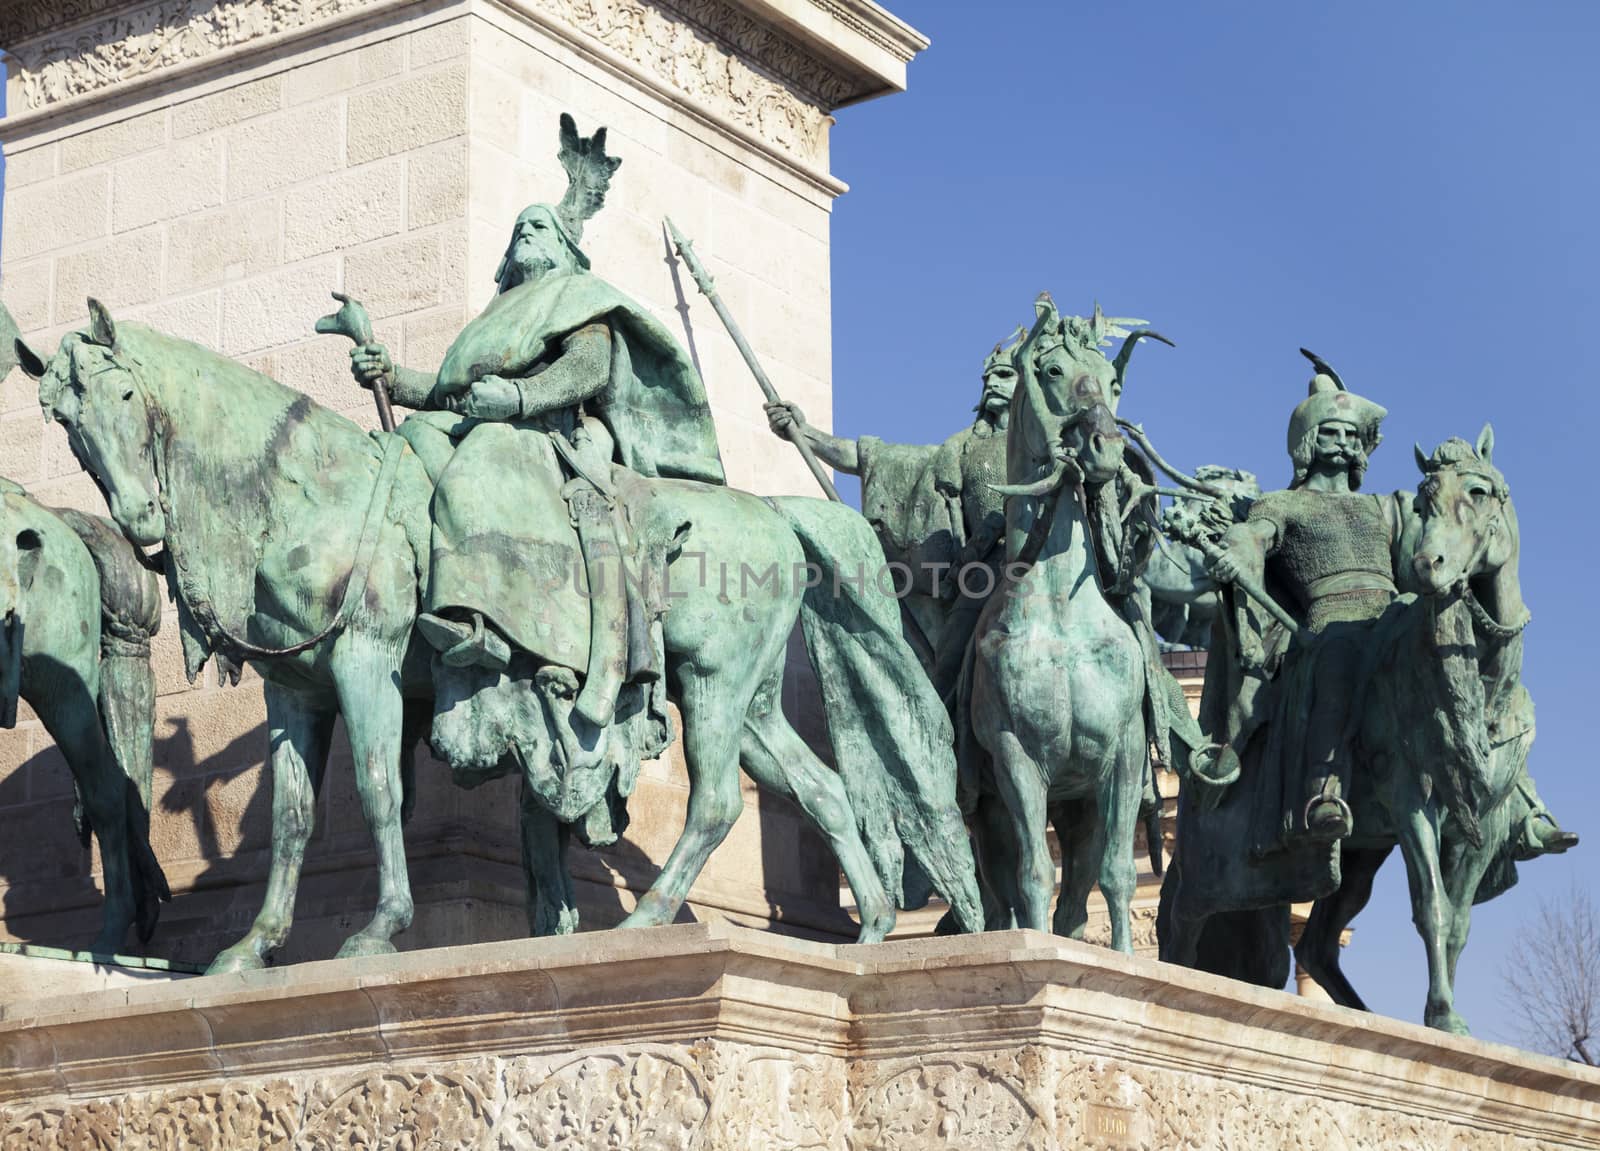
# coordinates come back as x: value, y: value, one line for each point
x: 708, y: 289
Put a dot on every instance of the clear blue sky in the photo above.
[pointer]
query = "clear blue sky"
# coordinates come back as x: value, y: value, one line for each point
x: 1411, y: 190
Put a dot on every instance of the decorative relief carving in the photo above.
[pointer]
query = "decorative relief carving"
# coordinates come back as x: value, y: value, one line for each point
x: 779, y: 1101
x: 949, y: 1103
x: 702, y: 48
x: 652, y: 1098
x: 69, y: 1127
x: 704, y: 70
x: 264, y: 1116
x: 130, y: 44
x: 399, y: 1110
x: 714, y: 1095
x: 774, y: 52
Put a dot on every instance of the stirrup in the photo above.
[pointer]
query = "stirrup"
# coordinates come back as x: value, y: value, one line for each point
x: 462, y: 644
x: 1330, y: 828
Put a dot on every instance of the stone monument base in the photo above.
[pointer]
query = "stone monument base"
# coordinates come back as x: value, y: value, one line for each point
x: 712, y: 1036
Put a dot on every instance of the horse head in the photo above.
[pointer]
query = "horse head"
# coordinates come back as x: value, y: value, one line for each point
x: 1468, y: 526
x: 91, y: 387
x: 1061, y: 412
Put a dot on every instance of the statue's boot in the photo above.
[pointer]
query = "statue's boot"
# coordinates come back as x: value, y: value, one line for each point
x: 1542, y: 835
x: 463, y: 644
x: 1328, y: 817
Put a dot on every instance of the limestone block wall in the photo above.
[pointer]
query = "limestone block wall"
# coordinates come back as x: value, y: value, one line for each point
x: 215, y: 169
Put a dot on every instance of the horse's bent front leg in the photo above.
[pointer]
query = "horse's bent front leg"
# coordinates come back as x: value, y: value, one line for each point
x: 299, y: 731
x: 367, y: 672
x: 1431, y: 912
x: 1317, y: 950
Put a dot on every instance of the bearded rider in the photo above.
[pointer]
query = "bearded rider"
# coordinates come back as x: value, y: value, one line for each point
x: 935, y: 510
x: 558, y: 360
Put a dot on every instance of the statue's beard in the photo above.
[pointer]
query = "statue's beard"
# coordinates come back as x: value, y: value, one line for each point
x: 527, y: 270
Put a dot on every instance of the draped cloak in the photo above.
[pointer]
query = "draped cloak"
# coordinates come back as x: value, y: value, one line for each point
x: 502, y: 542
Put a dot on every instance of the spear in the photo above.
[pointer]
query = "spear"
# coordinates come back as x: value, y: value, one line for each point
x: 708, y: 289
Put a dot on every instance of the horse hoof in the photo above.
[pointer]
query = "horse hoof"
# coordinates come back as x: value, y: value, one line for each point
x: 234, y: 960
x: 108, y: 943
x: 1449, y: 1021
x: 876, y: 928
x: 365, y: 945
x: 651, y: 912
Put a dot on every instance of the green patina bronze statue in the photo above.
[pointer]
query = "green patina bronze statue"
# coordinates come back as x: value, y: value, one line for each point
x: 78, y: 610
x: 1055, y: 692
x: 1364, y: 718
x: 937, y: 511
x: 532, y: 526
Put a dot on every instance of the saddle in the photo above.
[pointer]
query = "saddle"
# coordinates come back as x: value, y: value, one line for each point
x: 532, y: 529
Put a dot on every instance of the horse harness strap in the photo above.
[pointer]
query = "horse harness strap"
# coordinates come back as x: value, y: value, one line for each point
x: 355, y: 586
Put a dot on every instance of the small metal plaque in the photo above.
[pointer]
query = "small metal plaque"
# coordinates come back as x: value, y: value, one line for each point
x: 1107, y: 1126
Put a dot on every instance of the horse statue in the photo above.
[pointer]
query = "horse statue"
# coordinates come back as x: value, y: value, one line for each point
x: 1440, y: 730
x: 78, y: 609
x: 1467, y: 649
x: 1055, y: 682
x: 298, y: 542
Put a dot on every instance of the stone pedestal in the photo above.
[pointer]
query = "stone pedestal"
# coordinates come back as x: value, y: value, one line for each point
x: 216, y: 167
x: 712, y: 1037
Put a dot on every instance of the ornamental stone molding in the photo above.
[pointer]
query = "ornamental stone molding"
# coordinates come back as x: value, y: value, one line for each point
x: 701, y: 1037
x: 773, y: 68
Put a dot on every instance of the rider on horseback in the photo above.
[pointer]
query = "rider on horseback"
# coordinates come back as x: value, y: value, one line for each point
x: 1328, y: 554
x: 559, y: 377
x: 935, y: 509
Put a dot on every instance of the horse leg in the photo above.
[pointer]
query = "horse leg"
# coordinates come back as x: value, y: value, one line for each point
x: 997, y: 864
x: 366, y: 672
x: 1120, y: 793
x: 1022, y: 789
x: 67, y: 709
x: 552, y: 906
x: 298, y: 734
x: 414, y: 728
x: 1430, y: 911
x: 1074, y: 821
x: 1317, y: 951
x: 779, y: 760
x: 713, y: 707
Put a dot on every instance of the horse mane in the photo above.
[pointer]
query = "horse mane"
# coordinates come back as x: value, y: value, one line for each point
x: 220, y: 484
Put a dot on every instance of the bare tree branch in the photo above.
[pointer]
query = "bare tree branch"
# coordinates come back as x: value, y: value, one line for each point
x: 1553, y: 981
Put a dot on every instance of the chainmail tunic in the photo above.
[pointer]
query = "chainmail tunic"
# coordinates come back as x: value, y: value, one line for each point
x: 1321, y: 535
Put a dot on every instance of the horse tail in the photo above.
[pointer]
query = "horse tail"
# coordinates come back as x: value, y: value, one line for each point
x: 890, y: 731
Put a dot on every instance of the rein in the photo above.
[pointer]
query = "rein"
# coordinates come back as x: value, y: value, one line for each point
x: 1481, y: 618
x: 355, y: 581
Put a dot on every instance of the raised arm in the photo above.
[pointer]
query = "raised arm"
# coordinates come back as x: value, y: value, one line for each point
x: 831, y: 450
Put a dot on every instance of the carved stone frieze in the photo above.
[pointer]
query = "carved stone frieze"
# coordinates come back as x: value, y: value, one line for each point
x: 705, y: 53
x: 715, y: 53
x: 652, y: 1098
x: 264, y: 1116
x: 696, y: 1097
